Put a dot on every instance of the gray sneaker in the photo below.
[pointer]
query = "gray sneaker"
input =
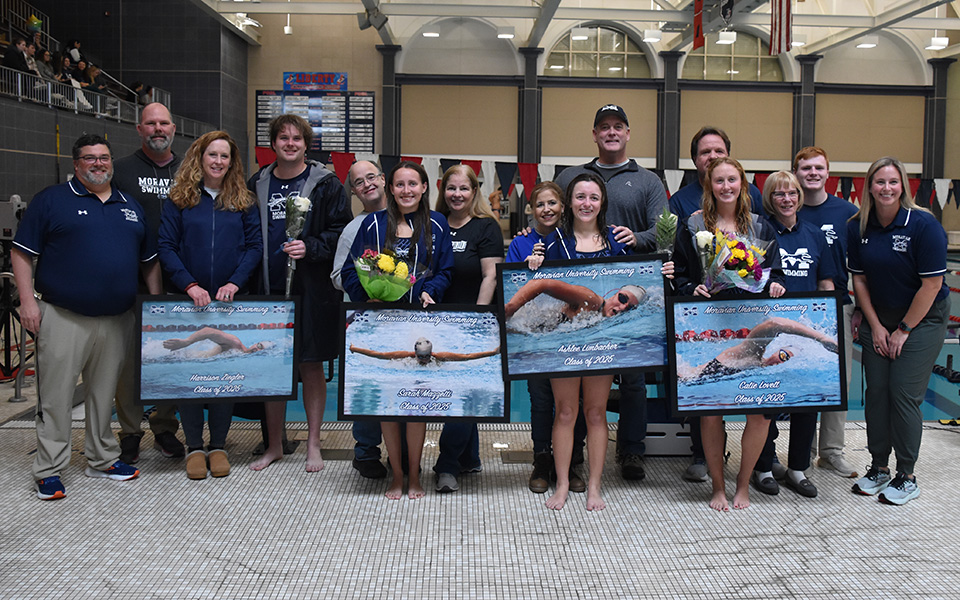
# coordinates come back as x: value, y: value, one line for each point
x: 838, y: 463
x: 874, y: 481
x: 446, y: 483
x: 697, y: 471
x: 900, y: 491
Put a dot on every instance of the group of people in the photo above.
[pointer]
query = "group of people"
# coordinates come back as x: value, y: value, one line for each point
x: 220, y: 238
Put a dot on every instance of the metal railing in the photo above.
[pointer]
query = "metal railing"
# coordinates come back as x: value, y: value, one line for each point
x: 26, y: 87
x: 16, y: 13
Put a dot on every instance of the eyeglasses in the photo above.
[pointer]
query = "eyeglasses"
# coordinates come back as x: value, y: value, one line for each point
x: 90, y: 159
x: 783, y: 355
x: 370, y: 178
x: 792, y: 194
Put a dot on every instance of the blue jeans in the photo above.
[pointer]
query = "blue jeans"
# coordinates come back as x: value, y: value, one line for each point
x: 367, y: 437
x: 459, y: 447
x: 632, y: 428
x: 219, y: 417
x: 541, y: 417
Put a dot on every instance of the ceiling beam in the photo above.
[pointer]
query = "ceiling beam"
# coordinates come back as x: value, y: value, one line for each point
x: 714, y: 23
x: 547, y: 10
x: 884, y: 20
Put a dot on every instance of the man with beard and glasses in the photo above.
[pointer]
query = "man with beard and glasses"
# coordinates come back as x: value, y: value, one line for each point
x: 89, y: 240
x: 147, y: 175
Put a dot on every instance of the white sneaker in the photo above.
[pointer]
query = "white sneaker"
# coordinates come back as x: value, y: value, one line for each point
x: 900, y: 491
x: 838, y: 463
x: 446, y: 483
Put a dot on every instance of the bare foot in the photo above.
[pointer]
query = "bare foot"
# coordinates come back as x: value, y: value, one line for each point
x: 416, y: 490
x: 395, y: 491
x: 559, y: 498
x: 269, y: 457
x: 314, y: 459
x: 594, y: 501
x: 741, y: 499
x: 719, y: 501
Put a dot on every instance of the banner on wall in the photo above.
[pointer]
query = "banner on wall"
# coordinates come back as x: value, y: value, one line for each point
x: 314, y: 82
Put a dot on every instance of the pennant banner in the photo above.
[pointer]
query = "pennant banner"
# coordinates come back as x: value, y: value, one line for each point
x: 831, y: 185
x: 388, y: 162
x: 674, y: 178
x: 506, y: 172
x: 942, y: 187
x: 446, y: 163
x: 342, y: 161
x: 528, y: 175
x: 759, y: 179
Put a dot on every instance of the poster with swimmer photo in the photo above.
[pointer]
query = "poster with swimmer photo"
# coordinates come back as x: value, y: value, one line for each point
x: 602, y: 315
x: 243, y: 350
x: 756, y: 355
x: 404, y: 363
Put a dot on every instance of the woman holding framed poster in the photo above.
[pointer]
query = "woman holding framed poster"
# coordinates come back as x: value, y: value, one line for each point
x: 905, y: 304
x: 209, y: 245
x: 419, y: 239
x: 726, y: 209
x: 808, y: 267
x: 583, y: 233
x: 477, y: 249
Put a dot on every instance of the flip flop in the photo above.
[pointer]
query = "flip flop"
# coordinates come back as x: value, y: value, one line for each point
x: 953, y: 422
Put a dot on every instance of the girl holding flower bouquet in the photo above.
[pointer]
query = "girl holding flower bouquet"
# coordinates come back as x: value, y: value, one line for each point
x: 419, y: 239
x: 722, y: 246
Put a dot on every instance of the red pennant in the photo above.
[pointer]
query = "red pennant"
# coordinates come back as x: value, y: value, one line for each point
x: 416, y: 159
x: 342, y: 161
x: 265, y: 155
x: 528, y: 176
x: 831, y: 185
x: 915, y: 187
x: 857, y: 190
x: 473, y: 164
x: 698, y: 38
x: 759, y: 179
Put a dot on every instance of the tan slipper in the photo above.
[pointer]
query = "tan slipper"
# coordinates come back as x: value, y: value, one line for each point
x: 197, y: 465
x: 219, y: 465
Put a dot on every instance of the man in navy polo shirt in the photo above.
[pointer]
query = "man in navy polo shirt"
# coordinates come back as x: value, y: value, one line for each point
x: 707, y: 144
x: 89, y: 240
x: 830, y: 214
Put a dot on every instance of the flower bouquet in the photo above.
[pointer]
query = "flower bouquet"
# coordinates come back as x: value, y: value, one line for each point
x: 297, y: 209
x: 728, y: 261
x: 383, y: 276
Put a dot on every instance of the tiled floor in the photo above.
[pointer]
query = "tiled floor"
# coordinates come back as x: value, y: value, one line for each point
x: 284, y: 533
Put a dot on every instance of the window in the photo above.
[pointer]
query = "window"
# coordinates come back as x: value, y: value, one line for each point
x: 748, y: 59
x: 605, y: 53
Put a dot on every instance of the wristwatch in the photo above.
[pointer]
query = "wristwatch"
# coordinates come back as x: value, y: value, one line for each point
x: 904, y: 327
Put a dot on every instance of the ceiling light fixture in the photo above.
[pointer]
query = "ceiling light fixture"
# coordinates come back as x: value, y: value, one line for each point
x: 505, y: 33
x: 727, y: 37
x: 868, y: 41
x: 288, y: 30
x: 938, y: 43
x: 580, y: 34
x: 652, y: 36
x: 798, y: 40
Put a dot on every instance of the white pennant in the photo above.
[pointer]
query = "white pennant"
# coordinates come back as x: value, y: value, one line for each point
x: 674, y: 178
x: 943, y: 189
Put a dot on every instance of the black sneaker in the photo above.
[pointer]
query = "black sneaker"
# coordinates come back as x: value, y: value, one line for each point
x: 168, y: 445
x: 370, y: 469
x: 631, y: 467
x: 540, y: 478
x: 130, y: 449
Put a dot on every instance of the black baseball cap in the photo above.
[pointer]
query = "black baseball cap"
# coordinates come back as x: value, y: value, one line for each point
x: 611, y: 109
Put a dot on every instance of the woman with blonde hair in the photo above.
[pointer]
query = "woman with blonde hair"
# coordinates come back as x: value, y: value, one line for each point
x: 209, y: 247
x: 477, y: 249
x: 905, y: 304
x: 726, y: 206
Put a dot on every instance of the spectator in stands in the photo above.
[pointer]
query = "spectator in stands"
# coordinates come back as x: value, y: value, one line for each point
x: 93, y: 80
x: 45, y: 65
x: 31, y: 52
x: 16, y: 57
x: 63, y: 69
x: 77, y: 72
x: 72, y: 49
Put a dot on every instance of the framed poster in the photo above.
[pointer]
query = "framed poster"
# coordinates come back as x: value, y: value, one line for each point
x: 243, y: 350
x: 404, y: 363
x: 756, y: 355
x: 569, y: 317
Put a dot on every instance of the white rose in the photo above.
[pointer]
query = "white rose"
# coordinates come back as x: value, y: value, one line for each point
x: 302, y: 204
x: 704, y: 239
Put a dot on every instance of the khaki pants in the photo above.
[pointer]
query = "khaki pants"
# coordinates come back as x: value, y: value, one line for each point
x: 70, y: 345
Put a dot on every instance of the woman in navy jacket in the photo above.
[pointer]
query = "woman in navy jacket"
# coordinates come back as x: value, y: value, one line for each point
x: 209, y: 246
x: 404, y: 228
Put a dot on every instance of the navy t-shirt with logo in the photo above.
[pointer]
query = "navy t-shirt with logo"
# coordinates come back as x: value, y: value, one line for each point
x: 804, y: 256
x: 280, y: 190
